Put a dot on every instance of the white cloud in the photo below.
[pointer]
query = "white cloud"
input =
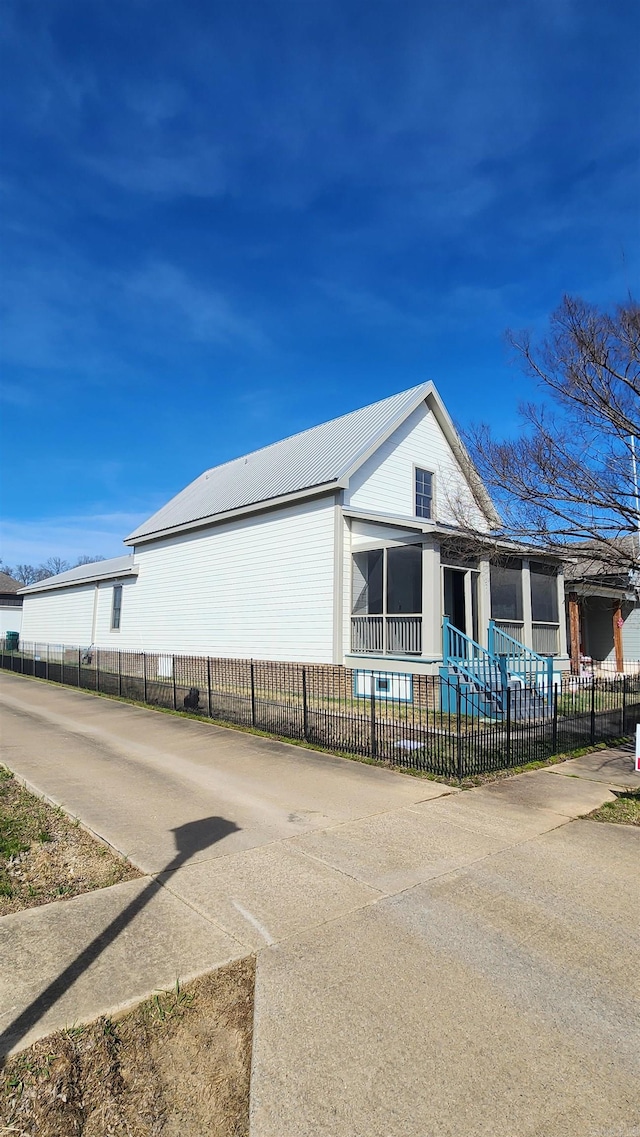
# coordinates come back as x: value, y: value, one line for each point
x: 99, y: 534
x: 204, y: 314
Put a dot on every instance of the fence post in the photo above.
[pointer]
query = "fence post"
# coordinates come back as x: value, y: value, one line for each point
x: 144, y: 676
x: 47, y: 663
x: 305, y: 709
x: 209, y: 686
x: 97, y: 669
x: 554, y: 729
x: 253, y: 696
x: 120, y: 674
x: 549, y: 678
x: 508, y: 697
x: 459, y: 756
x: 173, y: 672
x: 624, y: 705
x: 593, y: 709
x: 373, y: 743
x: 79, y: 650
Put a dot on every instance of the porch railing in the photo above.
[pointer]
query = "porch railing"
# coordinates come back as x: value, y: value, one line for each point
x: 545, y: 638
x: 367, y: 634
x: 475, y: 664
x: 533, y: 669
x: 386, y: 635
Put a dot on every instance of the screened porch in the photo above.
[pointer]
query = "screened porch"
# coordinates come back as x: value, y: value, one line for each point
x: 387, y: 601
x: 522, y: 596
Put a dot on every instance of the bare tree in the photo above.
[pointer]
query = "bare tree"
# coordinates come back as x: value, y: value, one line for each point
x: 85, y: 559
x: 27, y: 574
x: 30, y: 574
x: 54, y: 565
x: 568, y: 481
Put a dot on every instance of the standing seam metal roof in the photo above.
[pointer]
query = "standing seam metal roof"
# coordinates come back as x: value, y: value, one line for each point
x: 315, y: 457
x: 85, y: 574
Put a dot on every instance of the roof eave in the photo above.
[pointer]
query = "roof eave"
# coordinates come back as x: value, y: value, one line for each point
x: 347, y: 473
x: 266, y: 506
x: 462, y: 456
x: 51, y: 583
x: 428, y: 393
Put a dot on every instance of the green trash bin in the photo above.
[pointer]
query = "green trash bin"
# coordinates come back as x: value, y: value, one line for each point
x: 11, y: 640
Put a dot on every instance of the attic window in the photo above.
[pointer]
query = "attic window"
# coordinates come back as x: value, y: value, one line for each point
x: 424, y: 493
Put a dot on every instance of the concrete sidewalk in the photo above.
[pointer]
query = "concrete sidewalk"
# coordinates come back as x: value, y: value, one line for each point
x: 429, y: 961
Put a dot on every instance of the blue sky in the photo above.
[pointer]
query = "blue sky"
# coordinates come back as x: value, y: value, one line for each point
x: 225, y: 222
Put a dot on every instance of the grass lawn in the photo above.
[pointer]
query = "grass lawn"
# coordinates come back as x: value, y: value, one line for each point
x: 44, y: 855
x: 625, y: 810
x: 178, y: 1065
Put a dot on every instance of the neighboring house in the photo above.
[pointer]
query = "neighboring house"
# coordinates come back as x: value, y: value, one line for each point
x: 603, y: 611
x: 343, y: 544
x: 10, y: 604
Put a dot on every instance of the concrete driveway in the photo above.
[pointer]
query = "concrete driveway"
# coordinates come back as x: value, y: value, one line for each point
x: 429, y: 962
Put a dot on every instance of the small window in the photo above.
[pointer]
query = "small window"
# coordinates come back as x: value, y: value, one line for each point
x: 116, y: 608
x: 424, y: 493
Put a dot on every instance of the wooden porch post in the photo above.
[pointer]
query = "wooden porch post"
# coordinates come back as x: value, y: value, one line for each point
x: 617, y: 637
x: 574, y: 632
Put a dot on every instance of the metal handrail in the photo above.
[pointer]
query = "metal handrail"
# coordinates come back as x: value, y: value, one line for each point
x: 520, y: 661
x: 474, y: 663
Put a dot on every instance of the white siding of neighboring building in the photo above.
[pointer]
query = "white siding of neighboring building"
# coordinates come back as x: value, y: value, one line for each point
x: 10, y: 618
x: 630, y: 632
x: 385, y: 483
x: 260, y: 587
x: 62, y: 616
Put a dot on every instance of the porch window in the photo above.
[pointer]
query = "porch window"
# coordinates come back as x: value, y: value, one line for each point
x: 424, y: 493
x: 387, y: 601
x: 544, y: 608
x: 506, y: 591
x: 544, y: 593
x: 368, y: 569
x: 404, y: 579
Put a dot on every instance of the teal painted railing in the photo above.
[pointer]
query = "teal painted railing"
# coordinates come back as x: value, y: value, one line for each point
x: 534, y: 670
x: 473, y: 662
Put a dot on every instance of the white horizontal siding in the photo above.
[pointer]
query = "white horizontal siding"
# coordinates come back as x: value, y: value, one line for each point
x: 10, y: 618
x: 63, y: 616
x: 385, y: 483
x: 104, y: 635
x: 630, y: 632
x: 260, y: 587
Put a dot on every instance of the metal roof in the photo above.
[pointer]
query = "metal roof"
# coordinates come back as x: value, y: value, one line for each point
x: 315, y: 458
x: 84, y: 574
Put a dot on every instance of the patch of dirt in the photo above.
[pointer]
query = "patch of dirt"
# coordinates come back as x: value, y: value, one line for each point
x: 177, y: 1066
x: 625, y: 810
x: 46, y: 856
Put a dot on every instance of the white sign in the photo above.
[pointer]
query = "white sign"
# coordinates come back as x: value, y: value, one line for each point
x: 637, y: 765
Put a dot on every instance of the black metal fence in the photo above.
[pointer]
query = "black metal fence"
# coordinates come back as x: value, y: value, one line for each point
x: 419, y: 722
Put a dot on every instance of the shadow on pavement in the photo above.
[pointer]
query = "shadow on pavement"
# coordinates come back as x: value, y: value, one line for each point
x: 192, y: 838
